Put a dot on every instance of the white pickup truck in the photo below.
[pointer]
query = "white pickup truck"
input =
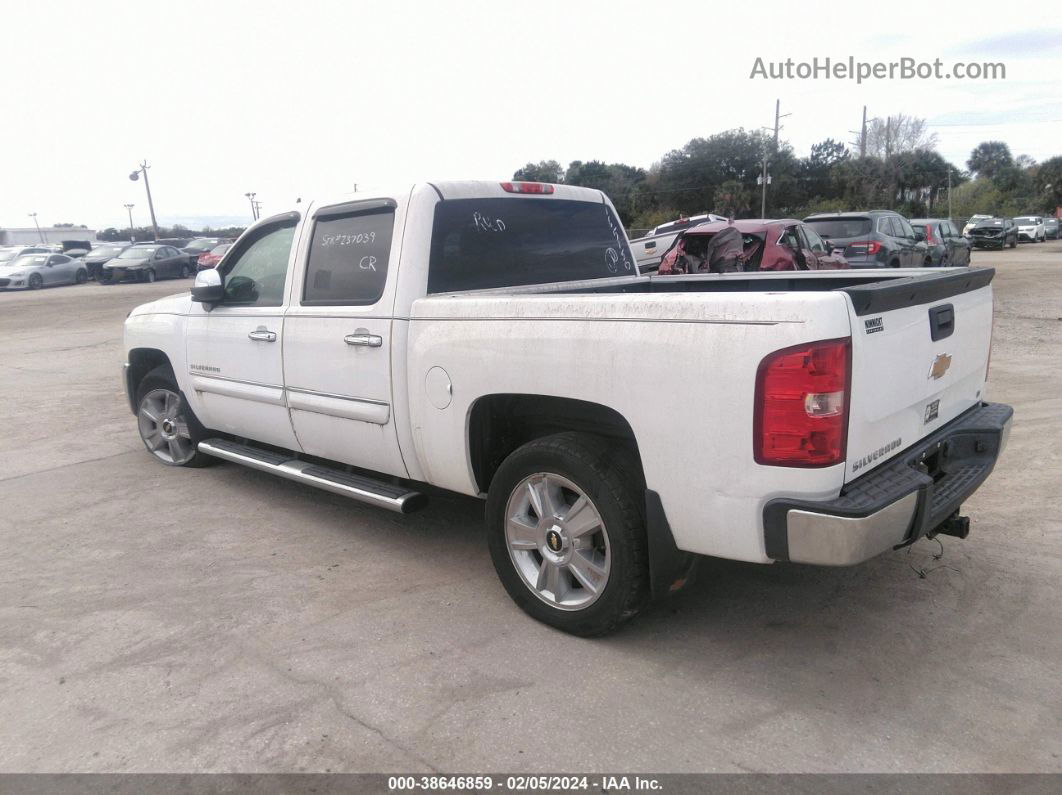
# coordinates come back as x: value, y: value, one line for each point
x: 495, y: 339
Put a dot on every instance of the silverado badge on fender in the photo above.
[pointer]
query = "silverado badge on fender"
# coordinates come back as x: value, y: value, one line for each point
x: 940, y: 366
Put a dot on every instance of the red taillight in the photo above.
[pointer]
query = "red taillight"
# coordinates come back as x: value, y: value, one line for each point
x: 871, y: 246
x: 929, y: 235
x: 801, y: 413
x: 527, y: 187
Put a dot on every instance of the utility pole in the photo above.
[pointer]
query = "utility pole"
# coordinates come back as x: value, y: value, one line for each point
x: 949, y: 192
x: 861, y: 142
x: 765, y: 177
x: 151, y: 205
x: 763, y: 188
x: 888, y: 136
x: 863, y: 136
x: 254, y: 211
x: 40, y: 234
x: 129, y: 209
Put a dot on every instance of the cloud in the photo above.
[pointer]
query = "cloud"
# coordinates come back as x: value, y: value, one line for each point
x: 1021, y: 44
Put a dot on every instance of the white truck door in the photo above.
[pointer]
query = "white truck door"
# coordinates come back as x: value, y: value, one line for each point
x: 234, y: 347
x: 337, y: 337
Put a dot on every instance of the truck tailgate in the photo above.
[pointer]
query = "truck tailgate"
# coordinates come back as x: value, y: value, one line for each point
x: 920, y: 348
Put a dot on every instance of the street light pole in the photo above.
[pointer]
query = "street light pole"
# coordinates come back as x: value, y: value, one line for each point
x: 151, y: 205
x: 254, y: 210
x: 40, y: 234
x: 129, y: 209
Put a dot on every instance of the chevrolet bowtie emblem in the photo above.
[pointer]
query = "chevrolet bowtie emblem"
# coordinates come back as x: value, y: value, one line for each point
x: 940, y: 366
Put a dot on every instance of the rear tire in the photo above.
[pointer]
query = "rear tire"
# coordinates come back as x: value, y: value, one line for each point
x: 185, y: 272
x: 566, y: 533
x: 81, y: 277
x: 168, y: 428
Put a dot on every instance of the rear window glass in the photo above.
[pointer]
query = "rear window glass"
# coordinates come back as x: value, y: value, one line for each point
x: 487, y: 243
x: 348, y: 258
x: 840, y: 227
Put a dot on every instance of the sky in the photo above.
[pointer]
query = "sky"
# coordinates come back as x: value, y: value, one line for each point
x: 312, y: 98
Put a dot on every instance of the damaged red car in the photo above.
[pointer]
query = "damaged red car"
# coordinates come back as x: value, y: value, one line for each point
x: 750, y: 245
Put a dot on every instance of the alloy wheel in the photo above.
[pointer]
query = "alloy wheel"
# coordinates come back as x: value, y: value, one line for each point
x: 557, y: 541
x: 164, y: 428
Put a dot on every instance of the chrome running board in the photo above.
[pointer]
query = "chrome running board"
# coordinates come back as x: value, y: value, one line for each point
x: 357, y: 487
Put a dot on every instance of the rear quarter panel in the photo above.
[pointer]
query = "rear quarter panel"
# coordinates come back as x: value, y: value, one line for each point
x: 680, y: 368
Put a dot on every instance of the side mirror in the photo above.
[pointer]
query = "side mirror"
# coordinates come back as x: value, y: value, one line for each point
x: 207, y: 287
x: 829, y: 246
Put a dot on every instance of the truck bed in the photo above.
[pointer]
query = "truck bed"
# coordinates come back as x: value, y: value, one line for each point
x: 677, y: 358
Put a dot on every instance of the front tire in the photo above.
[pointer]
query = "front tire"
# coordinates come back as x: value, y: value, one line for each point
x: 566, y: 533
x: 35, y: 281
x: 168, y: 428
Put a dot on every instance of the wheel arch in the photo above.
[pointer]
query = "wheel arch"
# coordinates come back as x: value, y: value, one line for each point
x: 139, y: 363
x: 500, y: 423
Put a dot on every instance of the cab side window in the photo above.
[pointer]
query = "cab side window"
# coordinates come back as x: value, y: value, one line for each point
x: 256, y: 274
x: 349, y: 251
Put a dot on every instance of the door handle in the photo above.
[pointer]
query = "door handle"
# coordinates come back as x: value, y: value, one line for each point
x: 262, y: 334
x: 365, y: 340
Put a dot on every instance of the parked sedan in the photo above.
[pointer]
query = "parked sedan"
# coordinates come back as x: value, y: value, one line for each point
x: 1051, y: 230
x: 148, y: 262
x: 96, y: 258
x: 34, y: 271
x: 995, y: 233
x: 946, y: 245
x: 201, y: 245
x: 12, y: 253
x: 1031, y: 228
x: 210, y: 259
x: 776, y: 245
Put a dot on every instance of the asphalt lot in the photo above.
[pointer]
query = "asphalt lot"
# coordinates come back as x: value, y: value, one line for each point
x: 158, y: 619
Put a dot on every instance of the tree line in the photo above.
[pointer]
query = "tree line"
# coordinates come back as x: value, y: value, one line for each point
x: 898, y: 169
x: 145, y: 234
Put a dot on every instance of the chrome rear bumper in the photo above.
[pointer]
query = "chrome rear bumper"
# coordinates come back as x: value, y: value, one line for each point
x: 895, y: 504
